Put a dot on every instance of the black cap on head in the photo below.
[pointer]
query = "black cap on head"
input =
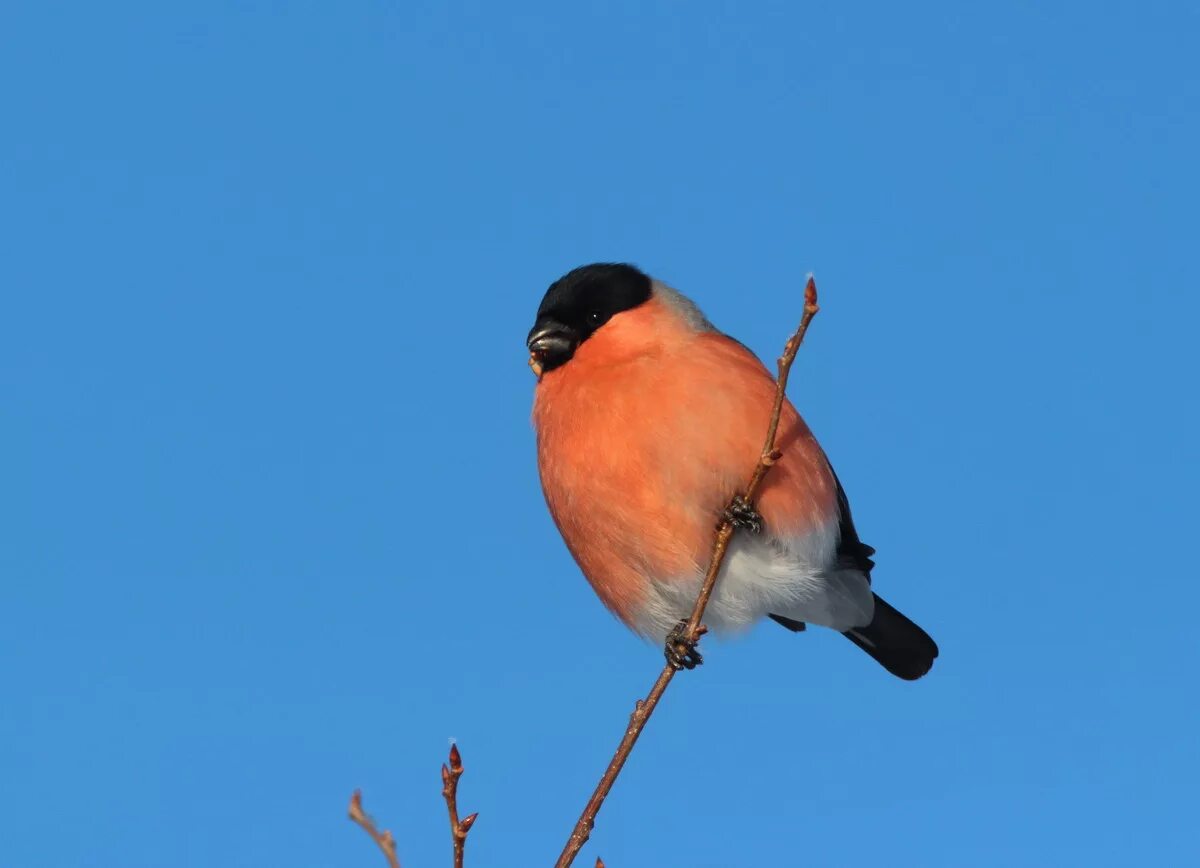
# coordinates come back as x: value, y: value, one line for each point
x: 580, y: 302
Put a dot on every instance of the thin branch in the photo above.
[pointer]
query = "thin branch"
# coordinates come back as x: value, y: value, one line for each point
x: 643, y: 708
x: 458, y: 828
x: 384, y: 839
x: 784, y: 367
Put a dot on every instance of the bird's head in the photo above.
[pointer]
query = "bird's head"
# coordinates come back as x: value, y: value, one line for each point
x: 577, y: 305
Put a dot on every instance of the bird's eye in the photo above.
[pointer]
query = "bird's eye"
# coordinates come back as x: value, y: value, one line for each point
x: 596, y: 318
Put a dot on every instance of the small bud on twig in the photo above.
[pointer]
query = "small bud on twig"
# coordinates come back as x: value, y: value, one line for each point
x: 458, y: 828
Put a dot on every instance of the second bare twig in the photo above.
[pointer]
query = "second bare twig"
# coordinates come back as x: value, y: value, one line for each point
x: 384, y: 839
x: 458, y: 828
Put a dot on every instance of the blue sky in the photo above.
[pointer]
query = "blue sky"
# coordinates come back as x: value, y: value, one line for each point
x: 272, y: 527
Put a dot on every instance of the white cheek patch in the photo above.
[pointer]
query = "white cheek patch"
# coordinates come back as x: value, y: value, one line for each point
x: 794, y: 578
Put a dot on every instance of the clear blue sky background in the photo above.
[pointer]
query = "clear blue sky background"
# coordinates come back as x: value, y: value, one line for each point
x: 271, y: 523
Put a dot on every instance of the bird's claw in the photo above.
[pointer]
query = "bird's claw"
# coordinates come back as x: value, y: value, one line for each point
x: 740, y: 513
x: 680, y: 649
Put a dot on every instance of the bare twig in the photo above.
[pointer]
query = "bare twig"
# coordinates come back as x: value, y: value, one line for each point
x: 643, y: 708
x: 458, y: 828
x: 384, y: 839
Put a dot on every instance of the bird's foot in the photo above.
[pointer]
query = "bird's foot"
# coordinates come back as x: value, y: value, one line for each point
x: 680, y: 650
x: 740, y: 513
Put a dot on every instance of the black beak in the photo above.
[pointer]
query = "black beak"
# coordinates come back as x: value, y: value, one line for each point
x: 551, y: 344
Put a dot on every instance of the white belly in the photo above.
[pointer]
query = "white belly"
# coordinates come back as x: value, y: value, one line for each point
x: 796, y: 578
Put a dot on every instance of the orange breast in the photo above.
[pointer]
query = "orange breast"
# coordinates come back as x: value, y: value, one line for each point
x: 645, y: 435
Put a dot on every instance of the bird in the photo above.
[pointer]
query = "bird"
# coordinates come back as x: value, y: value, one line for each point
x: 648, y: 420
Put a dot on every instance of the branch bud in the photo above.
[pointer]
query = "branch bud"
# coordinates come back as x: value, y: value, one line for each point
x: 810, y: 292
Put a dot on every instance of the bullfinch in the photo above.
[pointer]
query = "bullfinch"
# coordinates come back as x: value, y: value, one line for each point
x: 649, y: 421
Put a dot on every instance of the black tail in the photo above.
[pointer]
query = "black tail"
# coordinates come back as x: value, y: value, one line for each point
x: 900, y: 646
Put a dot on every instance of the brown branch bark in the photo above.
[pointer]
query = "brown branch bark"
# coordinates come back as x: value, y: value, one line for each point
x: 643, y: 708
x: 458, y: 828
x: 384, y: 839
